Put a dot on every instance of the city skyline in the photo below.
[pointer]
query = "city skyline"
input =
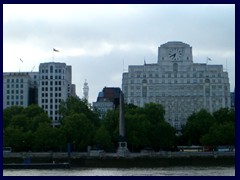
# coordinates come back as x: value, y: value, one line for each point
x: 100, y: 41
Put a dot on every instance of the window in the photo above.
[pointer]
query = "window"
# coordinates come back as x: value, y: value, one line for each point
x: 7, y: 97
x: 21, y: 80
x: 51, y: 69
x: 12, y: 80
x: 56, y: 94
x: 21, y: 102
x: 7, y: 91
x: 8, y: 80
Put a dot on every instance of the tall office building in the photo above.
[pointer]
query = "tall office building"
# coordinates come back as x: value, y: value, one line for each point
x: 181, y: 86
x: 20, y: 89
x: 107, y: 99
x: 55, y: 85
x: 47, y: 88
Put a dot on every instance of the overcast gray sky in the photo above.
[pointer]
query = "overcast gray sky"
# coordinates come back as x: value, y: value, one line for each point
x: 96, y: 39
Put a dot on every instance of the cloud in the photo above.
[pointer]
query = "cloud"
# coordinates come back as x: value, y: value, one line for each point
x: 100, y: 41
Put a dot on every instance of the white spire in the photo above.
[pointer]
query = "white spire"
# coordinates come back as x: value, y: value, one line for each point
x: 85, y: 90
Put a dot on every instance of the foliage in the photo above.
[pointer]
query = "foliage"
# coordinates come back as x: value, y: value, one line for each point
x: 202, y: 128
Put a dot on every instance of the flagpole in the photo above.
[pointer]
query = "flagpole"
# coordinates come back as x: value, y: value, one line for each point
x: 53, y: 55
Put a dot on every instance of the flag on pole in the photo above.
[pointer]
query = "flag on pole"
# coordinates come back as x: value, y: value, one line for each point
x: 55, y: 50
x: 209, y: 59
x: 21, y: 60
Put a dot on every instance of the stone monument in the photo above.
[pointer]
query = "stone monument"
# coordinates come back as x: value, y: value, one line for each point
x: 122, y: 143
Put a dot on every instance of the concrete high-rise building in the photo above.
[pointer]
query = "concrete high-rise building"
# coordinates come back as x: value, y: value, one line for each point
x: 20, y: 88
x: 181, y: 86
x: 107, y: 99
x: 55, y: 85
x: 47, y: 88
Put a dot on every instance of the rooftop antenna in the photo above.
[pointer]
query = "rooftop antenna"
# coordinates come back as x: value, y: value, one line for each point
x: 32, y: 68
x: 20, y: 64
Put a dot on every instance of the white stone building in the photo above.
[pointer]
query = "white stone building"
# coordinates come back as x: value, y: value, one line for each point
x: 181, y: 86
x: 55, y: 85
x: 19, y: 88
x: 47, y: 88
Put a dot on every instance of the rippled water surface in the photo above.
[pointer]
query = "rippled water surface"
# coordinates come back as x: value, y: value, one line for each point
x: 169, y: 171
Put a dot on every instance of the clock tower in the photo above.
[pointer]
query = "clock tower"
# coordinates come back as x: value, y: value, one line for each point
x: 175, y: 51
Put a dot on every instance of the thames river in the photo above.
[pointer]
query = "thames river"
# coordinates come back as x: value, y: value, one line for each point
x: 168, y: 171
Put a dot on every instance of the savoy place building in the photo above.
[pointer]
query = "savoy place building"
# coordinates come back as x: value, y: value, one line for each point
x: 47, y: 88
x: 181, y: 86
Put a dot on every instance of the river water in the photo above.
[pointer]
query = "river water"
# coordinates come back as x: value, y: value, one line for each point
x: 168, y: 171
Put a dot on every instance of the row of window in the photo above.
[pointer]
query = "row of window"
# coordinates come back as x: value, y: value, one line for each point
x: 51, y: 77
x: 15, y: 86
x: 170, y: 75
x: 55, y: 100
x: 52, y: 82
x: 174, y: 81
x: 180, y: 87
x: 50, y: 106
x: 15, y: 80
x: 51, y: 70
x: 15, y: 97
x: 51, y: 94
x: 51, y: 88
x: 15, y: 91
x: 12, y: 103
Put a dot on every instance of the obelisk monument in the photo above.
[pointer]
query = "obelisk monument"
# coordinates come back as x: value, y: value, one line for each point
x: 122, y: 143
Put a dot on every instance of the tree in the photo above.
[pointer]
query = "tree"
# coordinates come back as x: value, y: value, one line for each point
x: 74, y: 105
x: 102, y: 138
x: 77, y: 128
x: 198, y: 125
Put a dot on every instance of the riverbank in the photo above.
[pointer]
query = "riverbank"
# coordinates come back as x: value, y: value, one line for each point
x: 131, y: 160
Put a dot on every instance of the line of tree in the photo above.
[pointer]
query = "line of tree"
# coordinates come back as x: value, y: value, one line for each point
x: 30, y: 129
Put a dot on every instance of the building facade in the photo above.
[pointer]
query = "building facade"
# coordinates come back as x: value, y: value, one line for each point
x: 55, y: 85
x: 47, y: 88
x: 108, y: 99
x: 181, y: 86
x: 20, y: 89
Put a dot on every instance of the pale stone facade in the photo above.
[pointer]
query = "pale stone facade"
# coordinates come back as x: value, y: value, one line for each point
x: 18, y: 88
x: 181, y: 86
x: 55, y: 85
